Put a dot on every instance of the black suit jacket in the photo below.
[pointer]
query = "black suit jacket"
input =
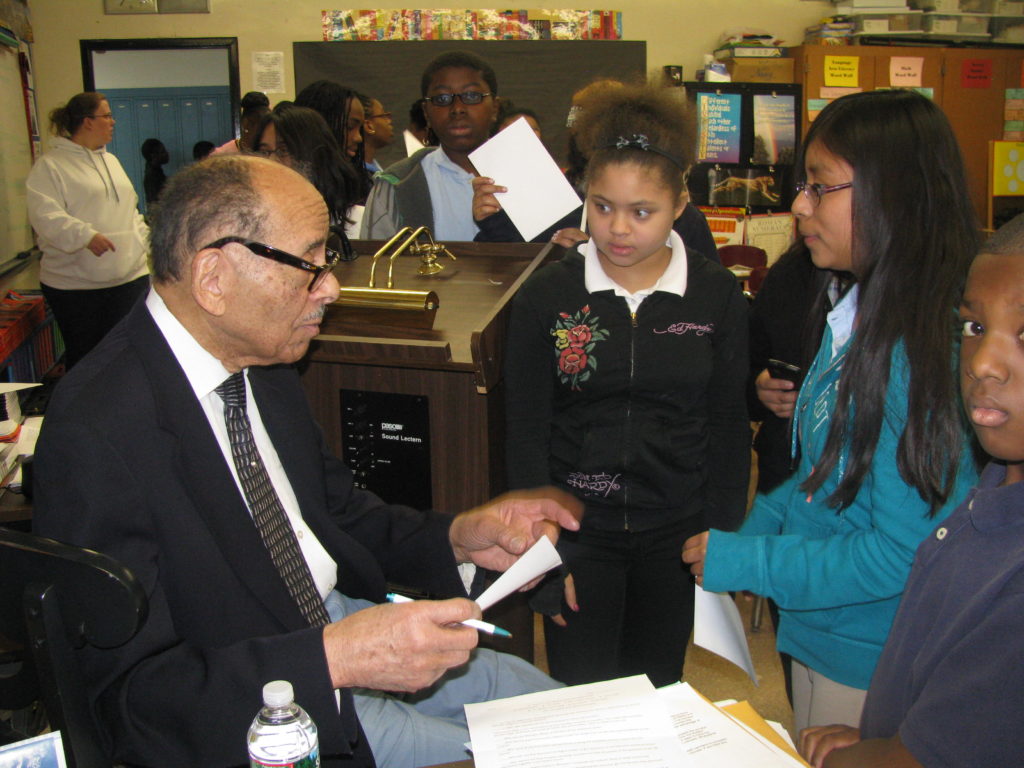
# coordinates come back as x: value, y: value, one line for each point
x: 128, y: 465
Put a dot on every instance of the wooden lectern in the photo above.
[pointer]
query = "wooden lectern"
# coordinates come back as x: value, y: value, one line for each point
x: 411, y: 397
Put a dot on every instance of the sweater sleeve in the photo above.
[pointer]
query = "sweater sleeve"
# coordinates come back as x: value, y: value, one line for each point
x: 47, y: 212
x: 380, y: 219
x: 498, y: 228
x: 529, y: 392
x: 729, y: 426
x: 860, y: 554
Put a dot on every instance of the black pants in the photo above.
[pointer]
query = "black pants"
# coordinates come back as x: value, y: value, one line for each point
x: 636, y: 606
x: 85, y: 317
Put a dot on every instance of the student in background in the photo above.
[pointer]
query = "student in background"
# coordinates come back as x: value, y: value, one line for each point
x: 378, y: 132
x: 625, y: 375
x: 882, y: 450
x: 155, y: 154
x: 947, y: 689
x: 202, y: 149
x: 433, y: 187
x: 343, y: 112
x: 509, y: 113
x: 418, y: 127
x: 299, y: 138
x: 255, y: 105
x: 84, y: 211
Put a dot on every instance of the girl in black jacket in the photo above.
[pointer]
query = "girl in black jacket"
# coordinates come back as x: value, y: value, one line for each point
x: 625, y: 373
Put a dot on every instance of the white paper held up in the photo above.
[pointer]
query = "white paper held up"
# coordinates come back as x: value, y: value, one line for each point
x: 717, y: 627
x: 538, y: 192
x: 537, y: 560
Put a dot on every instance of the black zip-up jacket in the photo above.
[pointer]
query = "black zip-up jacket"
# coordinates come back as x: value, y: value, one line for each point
x: 642, y: 417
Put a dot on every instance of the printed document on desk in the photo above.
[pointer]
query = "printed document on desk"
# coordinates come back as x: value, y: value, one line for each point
x: 617, y: 723
x: 538, y: 192
x: 621, y: 723
x: 713, y: 739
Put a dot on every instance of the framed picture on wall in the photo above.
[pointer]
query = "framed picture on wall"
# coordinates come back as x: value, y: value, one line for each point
x: 129, y: 6
x: 747, y: 140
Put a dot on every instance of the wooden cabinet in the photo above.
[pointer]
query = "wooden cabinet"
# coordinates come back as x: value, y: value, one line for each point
x: 968, y: 83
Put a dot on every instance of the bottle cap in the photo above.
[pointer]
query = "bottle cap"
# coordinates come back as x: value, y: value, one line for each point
x: 278, y: 693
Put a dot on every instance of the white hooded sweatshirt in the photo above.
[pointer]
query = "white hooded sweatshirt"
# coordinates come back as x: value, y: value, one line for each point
x: 72, y: 194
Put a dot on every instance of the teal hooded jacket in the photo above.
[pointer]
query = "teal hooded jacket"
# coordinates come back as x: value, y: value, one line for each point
x: 836, y: 575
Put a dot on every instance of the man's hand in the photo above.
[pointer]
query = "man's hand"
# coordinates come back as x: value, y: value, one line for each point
x: 402, y: 647
x: 695, y: 549
x: 484, y: 201
x: 817, y: 742
x: 100, y: 244
x: 495, y: 535
x: 778, y: 395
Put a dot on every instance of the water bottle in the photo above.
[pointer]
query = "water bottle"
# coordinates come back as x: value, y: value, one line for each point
x: 282, y: 735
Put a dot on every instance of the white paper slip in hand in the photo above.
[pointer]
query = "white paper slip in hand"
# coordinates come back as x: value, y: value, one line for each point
x: 536, y: 561
x: 538, y: 192
x: 717, y: 627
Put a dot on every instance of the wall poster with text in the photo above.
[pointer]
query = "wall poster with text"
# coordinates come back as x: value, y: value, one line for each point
x: 718, y: 127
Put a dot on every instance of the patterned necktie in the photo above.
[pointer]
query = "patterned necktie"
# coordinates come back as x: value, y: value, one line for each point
x: 271, y: 520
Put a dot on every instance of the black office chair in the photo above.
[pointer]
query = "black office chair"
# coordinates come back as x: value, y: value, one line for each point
x: 55, y: 598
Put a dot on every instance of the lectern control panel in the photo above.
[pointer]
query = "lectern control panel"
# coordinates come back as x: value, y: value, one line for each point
x: 385, y: 441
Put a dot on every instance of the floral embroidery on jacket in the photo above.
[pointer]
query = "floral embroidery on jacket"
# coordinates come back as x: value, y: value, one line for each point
x: 575, y: 337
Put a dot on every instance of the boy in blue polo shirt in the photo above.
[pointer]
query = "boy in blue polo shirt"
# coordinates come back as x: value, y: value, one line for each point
x: 947, y: 690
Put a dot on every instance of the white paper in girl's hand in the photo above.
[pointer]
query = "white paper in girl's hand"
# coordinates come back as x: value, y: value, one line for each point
x: 717, y: 627
x: 536, y: 561
x: 538, y: 192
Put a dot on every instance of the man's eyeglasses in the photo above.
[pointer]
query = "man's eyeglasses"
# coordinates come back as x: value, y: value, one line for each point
x: 469, y: 98
x: 319, y: 271
x: 814, y: 192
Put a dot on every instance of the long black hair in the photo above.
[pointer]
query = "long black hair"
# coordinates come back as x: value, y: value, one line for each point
x: 315, y: 154
x: 333, y: 101
x: 914, y: 233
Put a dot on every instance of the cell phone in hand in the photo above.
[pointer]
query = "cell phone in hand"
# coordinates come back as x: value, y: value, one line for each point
x: 779, y: 369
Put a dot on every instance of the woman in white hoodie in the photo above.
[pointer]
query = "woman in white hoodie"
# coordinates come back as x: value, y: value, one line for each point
x: 84, y: 211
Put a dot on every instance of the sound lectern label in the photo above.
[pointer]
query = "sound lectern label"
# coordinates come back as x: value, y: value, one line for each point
x: 385, y: 441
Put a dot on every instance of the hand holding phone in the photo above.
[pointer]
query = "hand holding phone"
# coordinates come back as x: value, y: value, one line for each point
x: 779, y: 369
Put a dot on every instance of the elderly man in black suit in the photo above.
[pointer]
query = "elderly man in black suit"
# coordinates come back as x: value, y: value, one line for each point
x: 147, y: 455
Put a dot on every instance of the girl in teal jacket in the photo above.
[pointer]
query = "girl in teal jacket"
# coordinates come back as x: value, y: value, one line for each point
x: 882, y: 450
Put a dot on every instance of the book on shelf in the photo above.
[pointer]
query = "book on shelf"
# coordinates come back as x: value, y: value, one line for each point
x: 862, y: 4
x: 750, y: 52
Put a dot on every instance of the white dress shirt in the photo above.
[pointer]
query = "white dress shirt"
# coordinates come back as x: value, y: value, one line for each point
x: 205, y: 373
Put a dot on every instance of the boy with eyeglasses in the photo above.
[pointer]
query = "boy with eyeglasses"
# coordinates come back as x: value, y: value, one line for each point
x: 433, y: 187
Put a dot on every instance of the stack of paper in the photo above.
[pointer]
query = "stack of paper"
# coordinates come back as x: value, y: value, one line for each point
x: 621, y: 723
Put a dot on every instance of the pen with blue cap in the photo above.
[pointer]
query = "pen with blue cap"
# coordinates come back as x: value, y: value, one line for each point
x: 483, y: 626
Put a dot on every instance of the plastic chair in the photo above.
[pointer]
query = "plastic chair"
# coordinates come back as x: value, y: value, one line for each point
x: 55, y: 598
x: 756, y: 279
x: 747, y: 255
